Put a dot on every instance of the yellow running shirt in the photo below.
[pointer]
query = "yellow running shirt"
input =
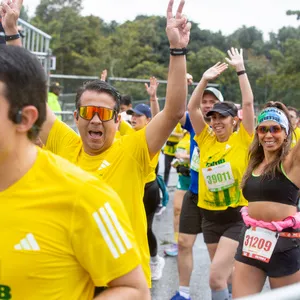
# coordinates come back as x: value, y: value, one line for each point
x: 222, y: 166
x: 296, y: 137
x: 63, y: 232
x: 170, y: 147
x: 124, y: 166
x: 152, y: 176
x: 185, y: 145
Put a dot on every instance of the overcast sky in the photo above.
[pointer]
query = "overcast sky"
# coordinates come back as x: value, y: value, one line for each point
x: 215, y: 15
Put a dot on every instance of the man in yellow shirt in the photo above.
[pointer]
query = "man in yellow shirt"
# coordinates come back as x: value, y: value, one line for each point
x: 63, y: 231
x: 294, y: 116
x: 54, y: 91
x: 97, y: 119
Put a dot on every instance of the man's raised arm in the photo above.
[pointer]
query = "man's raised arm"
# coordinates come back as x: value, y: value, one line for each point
x: 178, y: 32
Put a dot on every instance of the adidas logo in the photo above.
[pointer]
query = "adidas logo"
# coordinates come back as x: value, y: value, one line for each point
x: 28, y: 243
x: 104, y: 165
x: 112, y: 231
x: 227, y: 147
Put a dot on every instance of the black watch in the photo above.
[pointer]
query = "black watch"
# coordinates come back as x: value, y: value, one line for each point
x: 12, y: 37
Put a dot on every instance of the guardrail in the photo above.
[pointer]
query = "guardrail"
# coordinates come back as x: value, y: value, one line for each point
x: 37, y: 42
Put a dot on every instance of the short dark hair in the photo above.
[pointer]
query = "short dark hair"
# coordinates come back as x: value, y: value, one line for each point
x: 98, y: 86
x: 126, y: 100
x: 25, y: 84
x: 294, y: 109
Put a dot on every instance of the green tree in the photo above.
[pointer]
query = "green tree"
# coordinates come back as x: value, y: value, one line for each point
x: 293, y: 13
x: 285, y: 76
x: 24, y: 13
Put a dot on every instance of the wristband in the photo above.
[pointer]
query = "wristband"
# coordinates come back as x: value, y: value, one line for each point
x: 12, y: 37
x: 241, y: 72
x: 177, y: 52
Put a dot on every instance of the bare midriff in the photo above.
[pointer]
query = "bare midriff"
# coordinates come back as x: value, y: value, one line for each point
x: 270, y: 211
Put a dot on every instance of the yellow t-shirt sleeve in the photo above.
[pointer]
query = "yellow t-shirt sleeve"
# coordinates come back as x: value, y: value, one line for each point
x: 154, y: 162
x: 244, y: 136
x: 136, y: 145
x: 61, y: 136
x: 102, y: 237
x: 206, y: 135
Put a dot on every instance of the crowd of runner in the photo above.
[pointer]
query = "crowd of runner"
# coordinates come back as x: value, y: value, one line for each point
x: 76, y: 210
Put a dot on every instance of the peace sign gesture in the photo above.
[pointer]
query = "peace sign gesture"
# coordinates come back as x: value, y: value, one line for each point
x: 178, y: 29
x: 10, y: 12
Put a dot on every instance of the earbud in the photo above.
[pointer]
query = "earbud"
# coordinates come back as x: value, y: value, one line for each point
x: 18, y: 117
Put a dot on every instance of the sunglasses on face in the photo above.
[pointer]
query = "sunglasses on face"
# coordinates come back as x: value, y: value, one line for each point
x: 274, y: 129
x: 105, y: 114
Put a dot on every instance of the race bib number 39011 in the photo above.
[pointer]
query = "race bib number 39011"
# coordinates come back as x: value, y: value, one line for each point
x: 218, y: 178
x: 259, y: 243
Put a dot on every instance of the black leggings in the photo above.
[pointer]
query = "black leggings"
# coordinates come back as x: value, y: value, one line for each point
x: 168, y: 161
x: 151, y: 201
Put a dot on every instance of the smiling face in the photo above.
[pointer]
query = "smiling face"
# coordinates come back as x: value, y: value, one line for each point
x: 97, y: 136
x: 139, y: 121
x: 222, y: 126
x: 271, y: 141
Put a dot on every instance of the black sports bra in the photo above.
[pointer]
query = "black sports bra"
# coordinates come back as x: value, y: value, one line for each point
x: 279, y: 189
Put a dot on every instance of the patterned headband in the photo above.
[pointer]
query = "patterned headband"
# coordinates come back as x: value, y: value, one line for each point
x: 276, y: 115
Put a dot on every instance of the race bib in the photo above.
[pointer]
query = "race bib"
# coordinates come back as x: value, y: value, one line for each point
x: 259, y: 243
x: 195, y: 161
x: 218, y: 178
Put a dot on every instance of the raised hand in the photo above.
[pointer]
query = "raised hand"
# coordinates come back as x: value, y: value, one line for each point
x: 151, y: 89
x: 178, y: 29
x: 104, y: 75
x: 214, y: 71
x: 10, y: 12
x: 236, y: 59
x: 189, y: 79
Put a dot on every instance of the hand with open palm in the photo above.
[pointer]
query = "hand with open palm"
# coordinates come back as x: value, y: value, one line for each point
x: 214, y: 72
x: 178, y: 29
x: 151, y: 89
x: 236, y: 59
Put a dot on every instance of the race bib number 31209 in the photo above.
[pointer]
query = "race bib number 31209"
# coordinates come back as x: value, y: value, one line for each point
x: 259, y: 243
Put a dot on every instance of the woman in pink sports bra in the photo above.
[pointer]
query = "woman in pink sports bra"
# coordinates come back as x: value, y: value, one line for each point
x: 269, y: 243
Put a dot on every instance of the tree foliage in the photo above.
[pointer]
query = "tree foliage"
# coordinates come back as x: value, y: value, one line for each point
x: 86, y: 45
